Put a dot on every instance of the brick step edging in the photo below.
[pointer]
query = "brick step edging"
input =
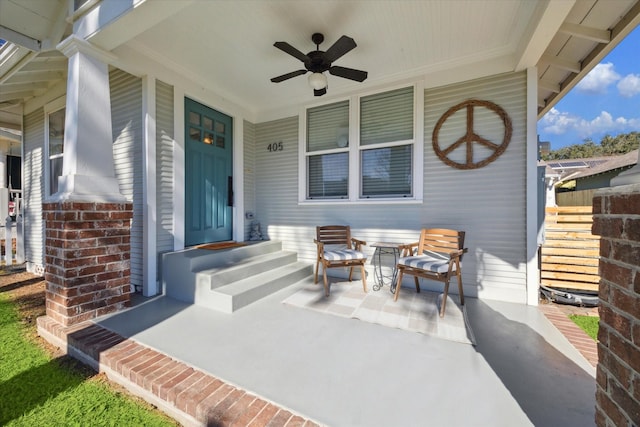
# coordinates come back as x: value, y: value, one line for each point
x: 587, y: 347
x: 190, y: 396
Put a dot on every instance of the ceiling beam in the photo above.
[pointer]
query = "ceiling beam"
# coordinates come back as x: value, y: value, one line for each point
x: 4, y: 97
x: 549, y: 85
x: 622, y: 29
x: 19, y: 39
x: 539, y: 33
x: 40, y: 76
x: 564, y: 64
x: 584, y: 32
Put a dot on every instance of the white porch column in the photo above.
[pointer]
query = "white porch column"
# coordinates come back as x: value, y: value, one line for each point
x: 87, y: 171
x: 3, y: 164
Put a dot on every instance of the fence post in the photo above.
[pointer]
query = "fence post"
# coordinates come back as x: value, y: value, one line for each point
x: 8, y: 240
x: 19, y: 240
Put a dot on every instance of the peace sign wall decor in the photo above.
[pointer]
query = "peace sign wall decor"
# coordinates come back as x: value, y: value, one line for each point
x: 471, y: 137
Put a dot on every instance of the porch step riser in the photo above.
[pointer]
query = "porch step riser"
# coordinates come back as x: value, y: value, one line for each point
x: 239, y: 294
x: 214, y: 278
x: 231, y: 279
x: 179, y: 269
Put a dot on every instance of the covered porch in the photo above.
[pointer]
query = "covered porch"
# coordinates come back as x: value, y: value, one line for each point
x: 294, y: 365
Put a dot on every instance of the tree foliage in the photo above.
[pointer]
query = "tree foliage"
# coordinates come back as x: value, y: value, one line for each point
x: 608, y: 146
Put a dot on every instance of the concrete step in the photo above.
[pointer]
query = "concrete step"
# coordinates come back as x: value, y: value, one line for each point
x: 179, y: 268
x: 251, y: 266
x: 238, y: 294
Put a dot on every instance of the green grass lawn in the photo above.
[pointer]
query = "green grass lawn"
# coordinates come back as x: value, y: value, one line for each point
x: 589, y: 324
x: 38, y: 390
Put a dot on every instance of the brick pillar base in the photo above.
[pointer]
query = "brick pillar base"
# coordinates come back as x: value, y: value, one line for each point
x: 87, y: 259
x: 616, y: 218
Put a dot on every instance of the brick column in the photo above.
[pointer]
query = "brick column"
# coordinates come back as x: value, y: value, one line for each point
x: 616, y: 218
x: 87, y: 259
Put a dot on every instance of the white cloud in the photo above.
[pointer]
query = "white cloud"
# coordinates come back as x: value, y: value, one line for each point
x: 629, y: 85
x: 598, y: 79
x: 558, y: 123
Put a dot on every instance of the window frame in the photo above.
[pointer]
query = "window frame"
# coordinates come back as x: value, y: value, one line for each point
x: 355, y: 149
x: 50, y: 108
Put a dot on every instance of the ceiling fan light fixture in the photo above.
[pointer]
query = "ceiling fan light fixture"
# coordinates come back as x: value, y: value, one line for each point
x: 317, y: 81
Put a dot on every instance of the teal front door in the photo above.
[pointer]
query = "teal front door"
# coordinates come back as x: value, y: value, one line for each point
x: 208, y: 175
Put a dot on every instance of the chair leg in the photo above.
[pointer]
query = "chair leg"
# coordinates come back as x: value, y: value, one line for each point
x: 315, y: 280
x: 460, y: 290
x: 398, y: 285
x: 326, y: 282
x: 417, y: 282
x: 350, y: 272
x: 364, y: 278
x: 444, y: 297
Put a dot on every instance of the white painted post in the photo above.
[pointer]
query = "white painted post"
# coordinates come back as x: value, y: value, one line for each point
x: 8, y: 238
x: 19, y: 240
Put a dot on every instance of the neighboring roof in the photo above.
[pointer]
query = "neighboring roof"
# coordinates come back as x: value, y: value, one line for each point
x: 610, y: 164
x: 227, y: 47
x: 582, y: 168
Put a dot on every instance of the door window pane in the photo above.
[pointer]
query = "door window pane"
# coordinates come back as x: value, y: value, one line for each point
x: 386, y: 172
x: 329, y: 176
x: 207, y: 123
x: 194, y: 118
x: 194, y: 133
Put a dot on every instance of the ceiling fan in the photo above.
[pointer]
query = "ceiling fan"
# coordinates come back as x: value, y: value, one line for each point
x: 318, y: 61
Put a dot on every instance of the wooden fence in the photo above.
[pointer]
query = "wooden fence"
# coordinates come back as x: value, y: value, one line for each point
x: 575, y: 198
x: 570, y: 253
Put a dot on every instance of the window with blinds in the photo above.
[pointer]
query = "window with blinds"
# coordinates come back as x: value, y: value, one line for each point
x: 328, y: 151
x: 381, y: 159
x: 386, y: 144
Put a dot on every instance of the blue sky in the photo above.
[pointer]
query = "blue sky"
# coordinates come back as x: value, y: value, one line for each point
x: 606, y: 101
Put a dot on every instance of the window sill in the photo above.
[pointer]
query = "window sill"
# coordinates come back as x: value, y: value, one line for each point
x: 372, y: 201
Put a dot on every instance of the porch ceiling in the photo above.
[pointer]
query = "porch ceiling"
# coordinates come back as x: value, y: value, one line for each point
x: 227, y: 46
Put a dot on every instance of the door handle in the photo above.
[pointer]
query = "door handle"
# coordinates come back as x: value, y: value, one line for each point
x: 229, y: 191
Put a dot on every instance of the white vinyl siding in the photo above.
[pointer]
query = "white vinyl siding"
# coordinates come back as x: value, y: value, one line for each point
x: 488, y: 203
x: 164, y: 170
x: 249, y: 132
x: 126, y: 116
x: 33, y: 190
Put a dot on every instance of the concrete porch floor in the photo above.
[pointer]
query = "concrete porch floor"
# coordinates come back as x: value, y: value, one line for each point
x: 334, y: 371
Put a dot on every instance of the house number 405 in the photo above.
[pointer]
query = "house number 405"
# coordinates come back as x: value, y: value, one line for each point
x: 276, y: 146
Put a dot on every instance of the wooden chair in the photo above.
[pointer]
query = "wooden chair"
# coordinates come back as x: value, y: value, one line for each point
x: 336, y: 248
x: 436, y: 256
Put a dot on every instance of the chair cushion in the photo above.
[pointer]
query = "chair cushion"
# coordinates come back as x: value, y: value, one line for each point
x: 434, y: 263
x: 343, y: 255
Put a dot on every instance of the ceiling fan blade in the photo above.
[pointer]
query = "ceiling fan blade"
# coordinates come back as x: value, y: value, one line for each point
x: 319, y: 92
x: 348, y: 73
x: 286, y: 47
x: 339, y: 48
x: 288, y: 76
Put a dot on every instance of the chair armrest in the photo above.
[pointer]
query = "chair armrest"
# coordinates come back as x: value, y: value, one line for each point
x: 409, y: 248
x: 358, y: 243
x: 320, y: 245
x: 458, y: 253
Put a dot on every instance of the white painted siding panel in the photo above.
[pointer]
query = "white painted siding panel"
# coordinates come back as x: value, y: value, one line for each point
x: 126, y: 113
x: 488, y: 203
x: 164, y: 169
x: 33, y: 190
x: 249, y: 131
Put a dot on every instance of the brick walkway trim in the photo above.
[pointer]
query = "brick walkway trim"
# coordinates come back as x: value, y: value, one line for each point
x: 190, y: 396
x: 576, y: 336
